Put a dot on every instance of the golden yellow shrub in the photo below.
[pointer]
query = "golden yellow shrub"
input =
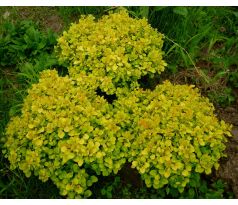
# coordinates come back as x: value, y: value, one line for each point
x: 69, y: 134
x: 117, y: 48
x: 64, y: 130
x: 175, y: 133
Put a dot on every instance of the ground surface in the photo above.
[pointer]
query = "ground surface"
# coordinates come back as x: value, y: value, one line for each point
x: 229, y: 167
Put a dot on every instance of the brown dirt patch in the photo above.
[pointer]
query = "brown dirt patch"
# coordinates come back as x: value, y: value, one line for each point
x: 228, y: 170
x: 55, y: 23
x: 47, y: 17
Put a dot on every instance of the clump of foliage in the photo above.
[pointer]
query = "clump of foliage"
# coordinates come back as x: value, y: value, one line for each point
x: 63, y: 131
x: 117, y: 48
x: 68, y: 133
x: 175, y: 134
x: 23, y: 42
x: 199, y: 188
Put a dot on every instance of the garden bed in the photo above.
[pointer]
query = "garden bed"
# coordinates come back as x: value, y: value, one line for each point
x: 219, y: 84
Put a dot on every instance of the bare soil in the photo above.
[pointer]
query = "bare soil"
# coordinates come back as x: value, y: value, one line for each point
x: 47, y: 17
x: 228, y: 170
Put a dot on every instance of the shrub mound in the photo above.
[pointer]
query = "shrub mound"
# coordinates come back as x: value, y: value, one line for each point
x: 117, y: 48
x: 70, y: 134
x: 63, y: 131
x: 175, y: 133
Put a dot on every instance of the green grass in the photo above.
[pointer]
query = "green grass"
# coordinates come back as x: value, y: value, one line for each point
x: 209, y: 36
x: 13, y: 184
x: 200, y: 47
x: 200, y: 39
x: 71, y: 14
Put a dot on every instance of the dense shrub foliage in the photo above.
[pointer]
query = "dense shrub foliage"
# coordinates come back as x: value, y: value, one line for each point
x: 62, y: 130
x: 175, y: 133
x: 118, y: 48
x: 70, y: 134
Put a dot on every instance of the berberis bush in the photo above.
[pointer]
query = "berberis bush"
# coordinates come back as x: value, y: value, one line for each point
x: 118, y: 48
x: 174, y: 133
x: 70, y: 134
x: 63, y: 130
